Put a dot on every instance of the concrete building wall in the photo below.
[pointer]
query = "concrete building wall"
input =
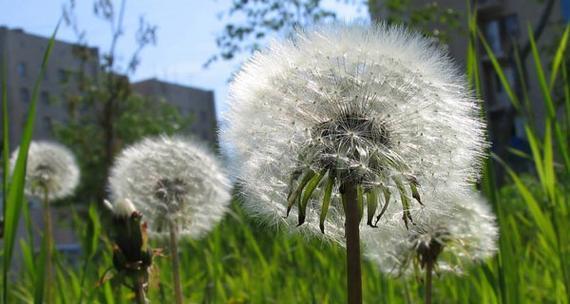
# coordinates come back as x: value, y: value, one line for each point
x: 196, y: 103
x: 23, y: 55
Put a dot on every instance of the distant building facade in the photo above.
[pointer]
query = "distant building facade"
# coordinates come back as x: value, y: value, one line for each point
x: 196, y: 103
x: 23, y: 54
x: 503, y: 23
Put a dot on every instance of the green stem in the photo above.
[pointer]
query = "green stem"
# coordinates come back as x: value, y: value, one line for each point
x: 175, y: 262
x: 352, y: 214
x: 48, y: 235
x: 428, y: 283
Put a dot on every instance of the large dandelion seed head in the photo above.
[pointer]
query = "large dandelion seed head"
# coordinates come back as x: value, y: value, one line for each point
x: 377, y: 106
x: 50, y: 166
x: 170, y: 179
x: 462, y: 234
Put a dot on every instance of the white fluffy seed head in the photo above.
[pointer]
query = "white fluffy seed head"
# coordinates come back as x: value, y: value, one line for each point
x: 171, y: 179
x: 374, y: 104
x: 122, y: 208
x: 463, y: 233
x: 50, y: 166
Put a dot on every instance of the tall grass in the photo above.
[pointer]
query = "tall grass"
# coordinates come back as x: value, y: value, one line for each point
x: 240, y: 262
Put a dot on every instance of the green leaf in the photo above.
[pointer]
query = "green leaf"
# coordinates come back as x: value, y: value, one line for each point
x: 5, y: 138
x: 39, y: 282
x: 559, y: 56
x: 549, y: 174
x: 294, y: 195
x: 326, y: 201
x: 16, y: 191
x: 360, y: 201
x: 307, y: 193
x: 372, y: 204
x: 541, y: 78
x: 499, y: 70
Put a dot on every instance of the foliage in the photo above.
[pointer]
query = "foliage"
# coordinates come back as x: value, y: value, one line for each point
x: 250, y: 22
x: 105, y: 114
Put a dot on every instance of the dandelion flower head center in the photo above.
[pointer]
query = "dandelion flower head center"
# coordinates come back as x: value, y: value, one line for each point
x: 350, y: 137
x: 429, y: 244
x: 172, y: 193
x: 43, y: 174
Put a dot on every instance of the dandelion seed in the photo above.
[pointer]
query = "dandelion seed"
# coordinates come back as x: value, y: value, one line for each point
x: 178, y: 187
x: 50, y: 167
x: 170, y: 179
x: 51, y: 174
x: 379, y: 107
x: 451, y: 239
x: 375, y: 110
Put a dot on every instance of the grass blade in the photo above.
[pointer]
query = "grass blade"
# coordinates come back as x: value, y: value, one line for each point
x: 559, y: 56
x: 541, y: 78
x: 16, y: 191
x: 5, y: 139
x: 499, y: 70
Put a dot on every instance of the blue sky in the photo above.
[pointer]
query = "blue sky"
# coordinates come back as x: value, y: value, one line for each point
x: 186, y: 35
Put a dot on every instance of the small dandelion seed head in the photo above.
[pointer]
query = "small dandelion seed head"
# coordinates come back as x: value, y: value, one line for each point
x: 370, y: 105
x: 123, y: 208
x: 462, y: 234
x: 50, y: 166
x: 171, y: 179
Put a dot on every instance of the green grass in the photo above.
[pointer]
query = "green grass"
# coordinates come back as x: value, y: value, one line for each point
x: 242, y: 261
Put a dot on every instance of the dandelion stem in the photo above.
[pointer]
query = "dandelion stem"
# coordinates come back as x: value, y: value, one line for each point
x: 428, y: 282
x: 48, y: 241
x: 140, y: 295
x: 175, y: 262
x: 352, y: 215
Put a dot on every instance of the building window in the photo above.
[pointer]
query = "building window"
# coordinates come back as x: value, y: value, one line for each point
x: 565, y: 5
x: 24, y: 95
x: 22, y: 70
x: 499, y: 32
x: 203, y: 116
x: 502, y: 98
x: 47, y: 121
x: 493, y: 36
x: 45, y: 98
x: 62, y: 75
x: 511, y: 23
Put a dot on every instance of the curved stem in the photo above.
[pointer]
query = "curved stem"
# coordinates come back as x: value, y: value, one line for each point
x: 428, y: 282
x: 353, y: 269
x: 175, y: 262
x: 140, y: 295
x: 48, y: 239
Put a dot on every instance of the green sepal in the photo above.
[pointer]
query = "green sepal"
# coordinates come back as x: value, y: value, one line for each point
x: 415, y: 192
x: 387, y: 196
x: 360, y: 201
x: 306, y: 196
x: 326, y: 201
x: 293, y: 196
x: 372, y: 205
x: 407, y: 216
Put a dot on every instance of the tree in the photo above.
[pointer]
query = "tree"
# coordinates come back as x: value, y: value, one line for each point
x: 105, y: 114
x: 251, y: 21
